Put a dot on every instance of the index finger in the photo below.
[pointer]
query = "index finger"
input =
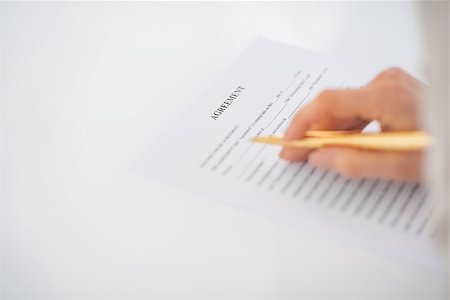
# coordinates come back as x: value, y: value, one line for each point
x: 331, y: 110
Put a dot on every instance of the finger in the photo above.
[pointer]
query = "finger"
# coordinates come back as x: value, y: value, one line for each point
x: 294, y: 154
x: 400, y: 97
x: 395, y: 74
x: 323, y: 114
x: 356, y: 163
x: 299, y: 154
x: 333, y: 109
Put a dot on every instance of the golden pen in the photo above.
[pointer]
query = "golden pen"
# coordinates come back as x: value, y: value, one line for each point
x: 383, y: 141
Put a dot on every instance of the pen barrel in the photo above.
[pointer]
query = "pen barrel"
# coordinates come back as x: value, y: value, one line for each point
x: 370, y: 142
x: 384, y: 141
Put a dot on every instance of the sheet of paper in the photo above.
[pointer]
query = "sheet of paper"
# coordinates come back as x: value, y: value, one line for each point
x: 207, y: 151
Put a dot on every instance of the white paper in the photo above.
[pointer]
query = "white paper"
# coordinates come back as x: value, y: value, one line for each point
x: 207, y: 151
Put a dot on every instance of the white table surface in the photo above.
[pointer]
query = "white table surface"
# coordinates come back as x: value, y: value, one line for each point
x: 86, y: 86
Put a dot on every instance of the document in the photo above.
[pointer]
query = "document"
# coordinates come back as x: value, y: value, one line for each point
x: 207, y: 151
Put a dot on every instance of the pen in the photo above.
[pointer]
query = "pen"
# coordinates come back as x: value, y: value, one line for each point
x: 383, y: 141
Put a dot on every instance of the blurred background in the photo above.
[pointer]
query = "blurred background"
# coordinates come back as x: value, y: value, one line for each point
x: 85, y: 88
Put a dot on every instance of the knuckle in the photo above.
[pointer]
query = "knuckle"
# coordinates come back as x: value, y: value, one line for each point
x: 390, y: 74
x: 325, y: 96
x: 394, y: 72
x: 300, y: 115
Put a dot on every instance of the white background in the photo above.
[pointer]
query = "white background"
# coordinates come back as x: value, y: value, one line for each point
x: 86, y: 86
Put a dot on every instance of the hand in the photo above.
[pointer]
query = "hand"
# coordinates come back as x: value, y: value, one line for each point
x: 393, y: 98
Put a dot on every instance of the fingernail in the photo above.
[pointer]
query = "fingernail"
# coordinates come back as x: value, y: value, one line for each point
x: 323, y: 158
x: 282, y: 154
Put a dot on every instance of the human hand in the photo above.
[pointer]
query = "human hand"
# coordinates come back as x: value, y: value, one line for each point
x: 393, y: 98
